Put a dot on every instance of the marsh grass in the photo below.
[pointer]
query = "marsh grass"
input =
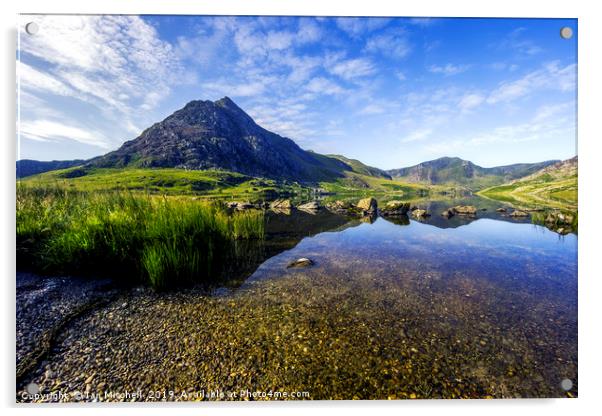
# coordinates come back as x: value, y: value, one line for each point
x: 164, y: 241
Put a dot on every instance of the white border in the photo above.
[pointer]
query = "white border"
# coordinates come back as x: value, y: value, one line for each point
x: 590, y: 73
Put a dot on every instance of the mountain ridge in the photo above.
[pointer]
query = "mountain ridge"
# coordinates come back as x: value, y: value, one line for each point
x: 454, y: 170
x: 206, y: 135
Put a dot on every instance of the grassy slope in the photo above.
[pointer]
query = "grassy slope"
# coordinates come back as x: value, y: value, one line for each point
x: 359, y: 167
x: 553, y: 187
x: 358, y: 183
x: 210, y: 183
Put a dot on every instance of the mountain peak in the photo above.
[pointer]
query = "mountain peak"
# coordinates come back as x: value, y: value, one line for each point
x: 220, y: 135
x: 225, y: 102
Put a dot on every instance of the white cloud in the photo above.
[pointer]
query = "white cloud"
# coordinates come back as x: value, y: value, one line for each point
x: 47, y: 130
x: 548, y: 121
x: 448, y: 69
x: 372, y: 109
x: 308, y: 31
x: 392, y: 43
x: 515, y: 41
x: 358, y: 26
x: 240, y: 89
x: 551, y: 76
x: 32, y: 79
x: 106, y: 60
x: 417, y: 135
x: 279, y: 40
x: 353, y: 68
x: 324, y: 86
x: 470, y: 101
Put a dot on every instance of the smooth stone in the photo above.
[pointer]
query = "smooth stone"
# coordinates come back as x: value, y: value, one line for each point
x: 302, y: 262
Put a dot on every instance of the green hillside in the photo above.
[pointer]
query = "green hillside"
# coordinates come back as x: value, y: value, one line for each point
x: 554, y: 187
x: 209, y: 183
x: 169, y: 181
x: 361, y: 168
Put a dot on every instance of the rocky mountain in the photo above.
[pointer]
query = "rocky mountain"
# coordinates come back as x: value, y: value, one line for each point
x: 28, y: 167
x: 453, y: 170
x: 220, y: 135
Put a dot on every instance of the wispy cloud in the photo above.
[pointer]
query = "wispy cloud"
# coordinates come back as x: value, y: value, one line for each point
x: 417, y: 135
x: 356, y: 27
x: 548, y: 121
x: 448, y: 69
x: 470, y: 101
x: 47, y: 130
x: 517, y: 42
x: 551, y: 76
x: 393, y: 43
x: 352, y: 68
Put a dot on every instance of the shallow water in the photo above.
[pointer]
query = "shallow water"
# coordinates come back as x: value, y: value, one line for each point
x: 491, y: 302
x: 392, y: 308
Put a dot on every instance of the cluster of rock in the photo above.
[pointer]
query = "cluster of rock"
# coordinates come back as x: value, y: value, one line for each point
x: 559, y: 218
x: 467, y: 210
x: 519, y: 213
x: 278, y: 205
x: 560, y: 222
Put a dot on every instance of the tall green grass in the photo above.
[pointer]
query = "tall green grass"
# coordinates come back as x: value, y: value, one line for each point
x: 160, y: 240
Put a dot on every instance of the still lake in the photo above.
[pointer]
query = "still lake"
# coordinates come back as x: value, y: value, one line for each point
x: 392, y: 308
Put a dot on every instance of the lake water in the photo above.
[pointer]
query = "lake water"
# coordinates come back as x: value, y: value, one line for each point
x: 474, y: 307
x: 392, y: 308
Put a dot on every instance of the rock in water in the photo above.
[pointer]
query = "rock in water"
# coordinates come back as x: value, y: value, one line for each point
x: 558, y: 218
x: 501, y: 210
x: 281, y: 204
x: 240, y: 205
x: 420, y: 213
x: 518, y: 213
x: 302, y: 262
x: 310, y: 206
x: 339, y: 206
x: 465, y: 210
x: 244, y: 205
x: 367, y: 205
x: 396, y: 208
x: 448, y: 213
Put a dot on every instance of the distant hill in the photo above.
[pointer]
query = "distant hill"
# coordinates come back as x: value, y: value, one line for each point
x: 28, y: 167
x: 453, y: 170
x: 552, y: 186
x: 220, y: 135
x: 359, y: 167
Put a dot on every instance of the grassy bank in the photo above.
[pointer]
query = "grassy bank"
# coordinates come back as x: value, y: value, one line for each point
x: 160, y: 240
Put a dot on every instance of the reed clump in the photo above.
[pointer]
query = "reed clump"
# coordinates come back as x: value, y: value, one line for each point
x: 160, y: 240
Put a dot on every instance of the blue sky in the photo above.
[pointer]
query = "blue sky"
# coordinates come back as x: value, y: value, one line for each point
x: 391, y: 92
